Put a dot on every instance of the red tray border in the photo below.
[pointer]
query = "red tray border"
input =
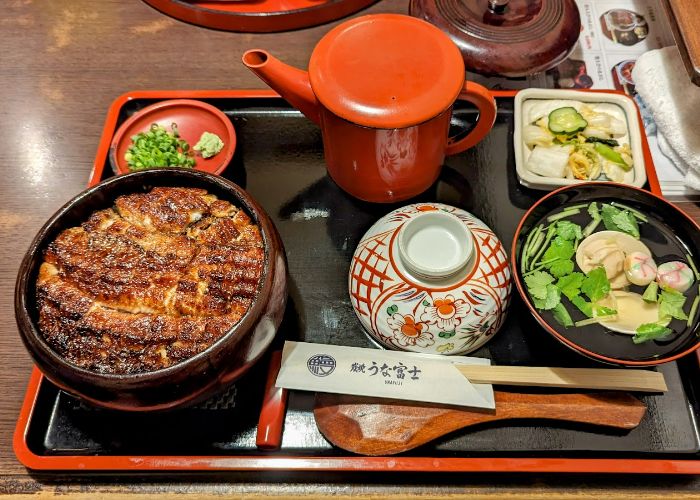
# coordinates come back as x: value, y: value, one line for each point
x: 304, y: 463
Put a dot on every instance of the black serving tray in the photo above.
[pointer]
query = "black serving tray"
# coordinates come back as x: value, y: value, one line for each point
x: 279, y: 160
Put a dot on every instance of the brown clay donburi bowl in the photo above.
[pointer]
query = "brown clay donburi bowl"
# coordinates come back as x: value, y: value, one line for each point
x: 194, y: 379
x: 670, y: 235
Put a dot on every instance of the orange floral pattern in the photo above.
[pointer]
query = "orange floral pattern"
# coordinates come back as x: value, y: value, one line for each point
x: 447, y: 313
x: 407, y: 332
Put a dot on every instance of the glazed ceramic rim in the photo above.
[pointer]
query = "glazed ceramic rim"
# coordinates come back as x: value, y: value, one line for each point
x: 436, y: 273
x: 24, y: 304
x: 515, y: 273
x: 626, y: 103
x: 119, y: 136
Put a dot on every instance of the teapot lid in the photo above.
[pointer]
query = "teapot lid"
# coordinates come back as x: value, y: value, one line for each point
x: 386, y: 71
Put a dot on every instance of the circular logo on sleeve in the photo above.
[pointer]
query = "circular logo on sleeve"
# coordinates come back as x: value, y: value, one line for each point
x: 321, y: 365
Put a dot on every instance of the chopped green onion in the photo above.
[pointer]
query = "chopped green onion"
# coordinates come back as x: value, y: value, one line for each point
x: 586, y: 322
x: 588, y: 230
x: 535, y: 246
x: 692, y: 266
x: 157, y: 147
x: 524, y: 252
x: 525, y: 257
x: 542, y: 264
x: 550, y: 234
x: 563, y: 215
x: 530, y: 235
x: 693, y: 310
x: 579, y: 206
x: 596, y: 319
x: 537, y: 240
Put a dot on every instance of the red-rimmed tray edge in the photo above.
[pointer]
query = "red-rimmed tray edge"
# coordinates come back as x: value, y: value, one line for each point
x: 305, y: 463
x: 259, y: 22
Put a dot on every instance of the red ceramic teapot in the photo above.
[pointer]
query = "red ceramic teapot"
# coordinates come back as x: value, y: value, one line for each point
x: 382, y: 87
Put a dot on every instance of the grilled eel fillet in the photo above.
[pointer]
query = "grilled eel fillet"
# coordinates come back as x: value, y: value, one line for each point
x: 150, y: 282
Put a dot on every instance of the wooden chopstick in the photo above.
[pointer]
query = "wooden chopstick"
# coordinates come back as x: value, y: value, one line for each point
x: 581, y: 378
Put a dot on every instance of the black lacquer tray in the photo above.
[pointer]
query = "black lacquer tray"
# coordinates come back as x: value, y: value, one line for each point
x: 279, y: 160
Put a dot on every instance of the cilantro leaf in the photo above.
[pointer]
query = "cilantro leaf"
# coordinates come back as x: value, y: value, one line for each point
x: 596, y: 285
x: 615, y: 219
x: 559, y: 249
x: 600, y: 311
x: 561, y: 268
x: 552, y: 298
x: 570, y: 284
x: 671, y: 304
x: 651, y: 293
x: 651, y: 331
x: 562, y: 315
x: 627, y: 223
x: 568, y: 230
x: 537, y: 284
x: 593, y: 211
x: 584, y: 306
x: 591, y: 310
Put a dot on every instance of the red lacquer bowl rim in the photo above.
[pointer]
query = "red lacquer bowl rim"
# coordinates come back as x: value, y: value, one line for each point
x: 521, y: 290
x: 230, y: 18
x: 195, y: 107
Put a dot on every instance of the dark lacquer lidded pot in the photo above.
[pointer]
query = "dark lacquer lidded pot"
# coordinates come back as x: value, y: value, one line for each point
x: 381, y: 87
x: 506, y: 37
x: 195, y: 378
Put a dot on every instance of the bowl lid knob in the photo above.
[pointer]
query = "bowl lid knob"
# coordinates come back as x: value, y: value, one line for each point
x: 498, y: 6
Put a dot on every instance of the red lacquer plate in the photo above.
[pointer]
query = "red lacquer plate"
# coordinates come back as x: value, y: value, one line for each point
x: 259, y: 16
x: 192, y: 118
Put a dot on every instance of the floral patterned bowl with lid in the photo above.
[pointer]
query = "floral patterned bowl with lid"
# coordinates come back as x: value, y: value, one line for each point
x: 430, y: 278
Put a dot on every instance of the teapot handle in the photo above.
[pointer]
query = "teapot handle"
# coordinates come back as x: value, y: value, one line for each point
x: 486, y: 104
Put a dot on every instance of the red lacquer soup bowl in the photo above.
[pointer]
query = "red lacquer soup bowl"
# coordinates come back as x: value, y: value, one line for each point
x: 668, y: 233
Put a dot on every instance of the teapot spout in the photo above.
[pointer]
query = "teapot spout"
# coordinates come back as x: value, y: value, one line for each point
x: 289, y: 82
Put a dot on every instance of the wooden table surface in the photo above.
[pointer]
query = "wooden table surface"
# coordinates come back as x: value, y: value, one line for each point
x: 62, y: 62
